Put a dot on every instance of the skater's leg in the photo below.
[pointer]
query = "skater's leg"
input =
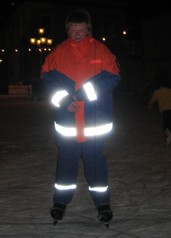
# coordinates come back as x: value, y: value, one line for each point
x: 66, y: 176
x: 166, y: 117
x: 66, y: 170
x: 96, y: 171
x: 97, y: 177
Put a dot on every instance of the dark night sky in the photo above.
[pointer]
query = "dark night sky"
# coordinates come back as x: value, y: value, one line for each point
x: 137, y: 11
x: 143, y: 10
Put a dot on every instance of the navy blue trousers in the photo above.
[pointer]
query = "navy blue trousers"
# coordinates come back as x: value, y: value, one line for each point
x: 95, y: 168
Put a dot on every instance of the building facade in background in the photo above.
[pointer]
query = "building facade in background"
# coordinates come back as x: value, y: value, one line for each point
x: 21, y: 60
x: 157, y: 50
x: 144, y: 53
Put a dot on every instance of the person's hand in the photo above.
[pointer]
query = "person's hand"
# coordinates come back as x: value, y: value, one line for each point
x: 73, y: 106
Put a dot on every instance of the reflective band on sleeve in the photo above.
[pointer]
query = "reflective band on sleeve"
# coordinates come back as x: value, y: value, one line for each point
x: 90, y: 91
x: 98, y: 130
x: 65, y: 187
x: 88, y: 131
x: 65, y: 131
x: 98, y: 189
x: 58, y: 96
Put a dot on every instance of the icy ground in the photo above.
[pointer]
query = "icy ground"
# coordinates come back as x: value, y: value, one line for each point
x: 139, y: 165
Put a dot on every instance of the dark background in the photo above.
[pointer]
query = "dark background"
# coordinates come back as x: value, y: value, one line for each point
x: 137, y: 10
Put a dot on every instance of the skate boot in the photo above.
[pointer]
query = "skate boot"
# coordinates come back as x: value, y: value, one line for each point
x: 105, y: 214
x: 57, y: 212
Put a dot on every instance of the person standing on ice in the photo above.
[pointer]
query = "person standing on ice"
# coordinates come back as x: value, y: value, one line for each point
x: 80, y: 75
x: 162, y: 96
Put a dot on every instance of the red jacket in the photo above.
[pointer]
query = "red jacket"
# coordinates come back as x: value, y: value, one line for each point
x: 70, y: 66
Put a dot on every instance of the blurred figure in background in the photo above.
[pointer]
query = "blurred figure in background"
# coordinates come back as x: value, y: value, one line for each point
x: 162, y: 96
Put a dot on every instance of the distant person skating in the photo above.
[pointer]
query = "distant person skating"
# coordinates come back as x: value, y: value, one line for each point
x: 162, y: 96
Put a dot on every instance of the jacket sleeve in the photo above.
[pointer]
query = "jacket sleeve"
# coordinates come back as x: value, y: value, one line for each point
x: 102, y: 84
x: 105, y: 81
x: 51, y: 81
x: 54, y: 86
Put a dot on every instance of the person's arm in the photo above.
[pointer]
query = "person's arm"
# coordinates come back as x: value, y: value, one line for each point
x: 98, y: 86
x: 104, y: 82
x: 153, y: 99
x: 55, y: 84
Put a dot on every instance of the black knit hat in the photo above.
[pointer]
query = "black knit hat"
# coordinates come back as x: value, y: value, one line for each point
x: 78, y: 16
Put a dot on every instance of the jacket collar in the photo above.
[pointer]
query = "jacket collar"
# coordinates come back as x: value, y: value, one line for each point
x: 83, y: 43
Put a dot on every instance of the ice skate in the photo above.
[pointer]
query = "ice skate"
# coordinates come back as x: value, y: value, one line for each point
x: 105, y: 214
x: 57, y: 212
